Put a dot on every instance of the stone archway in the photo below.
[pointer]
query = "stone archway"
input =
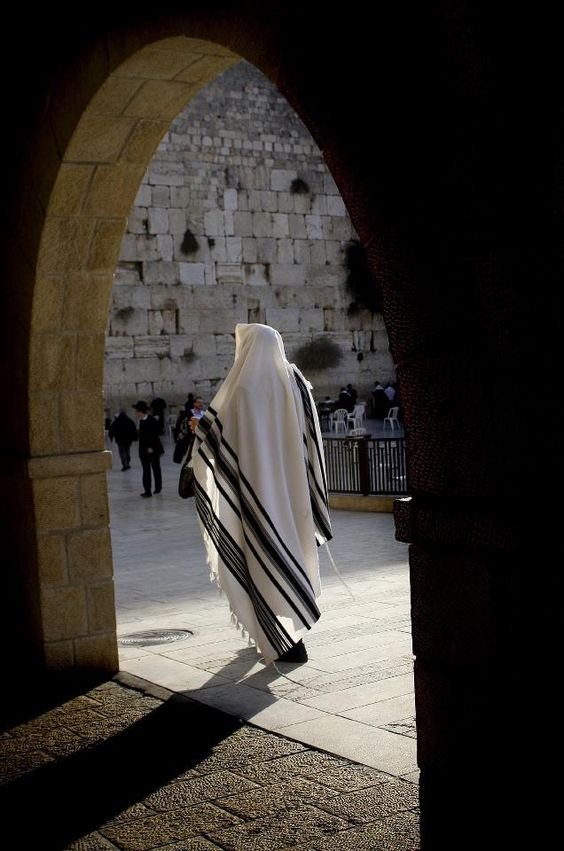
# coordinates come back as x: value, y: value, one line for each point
x: 458, y: 201
x: 98, y: 176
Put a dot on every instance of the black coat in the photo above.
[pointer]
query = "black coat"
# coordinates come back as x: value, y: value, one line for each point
x: 149, y: 437
x: 123, y: 429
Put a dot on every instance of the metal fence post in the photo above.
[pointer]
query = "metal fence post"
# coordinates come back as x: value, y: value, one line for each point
x: 363, y: 467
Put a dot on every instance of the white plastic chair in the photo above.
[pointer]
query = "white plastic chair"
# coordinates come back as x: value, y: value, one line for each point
x: 356, y: 416
x: 339, y: 420
x: 392, y: 418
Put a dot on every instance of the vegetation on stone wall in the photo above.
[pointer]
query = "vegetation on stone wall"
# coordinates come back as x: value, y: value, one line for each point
x: 321, y: 353
x: 124, y: 313
x: 365, y: 291
x: 189, y: 243
x: 299, y: 186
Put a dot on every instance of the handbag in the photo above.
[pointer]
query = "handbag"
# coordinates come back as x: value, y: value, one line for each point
x: 186, y: 479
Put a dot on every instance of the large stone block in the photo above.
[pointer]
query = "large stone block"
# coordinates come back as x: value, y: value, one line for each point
x: 90, y: 361
x: 314, y: 227
x: 243, y: 224
x: 94, y: 500
x: 257, y: 275
x: 81, y: 417
x: 90, y: 555
x: 262, y: 225
x: 143, y: 140
x: 69, y: 191
x: 192, y: 274
x: 47, y: 305
x: 149, y: 347
x: 113, y: 95
x: 113, y: 189
x: 177, y: 221
x: 134, y: 295
x: 118, y: 348
x: 101, y: 608
x: 64, y: 613
x: 285, y: 251
x: 97, y: 652
x: 43, y: 424
x: 99, y: 138
x: 64, y: 245
x: 158, y: 220
x: 233, y: 247
x: 52, y: 361
x: 280, y: 227
x: 159, y: 99
x: 86, y: 302
x: 59, y: 655
x: 52, y: 559
x: 160, y: 272
x: 105, y: 245
x: 266, y: 250
x: 281, y: 178
x: 283, y: 319
x: 137, y: 220
x: 287, y: 276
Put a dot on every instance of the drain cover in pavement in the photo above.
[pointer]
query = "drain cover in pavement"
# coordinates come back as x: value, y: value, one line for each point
x: 154, y: 636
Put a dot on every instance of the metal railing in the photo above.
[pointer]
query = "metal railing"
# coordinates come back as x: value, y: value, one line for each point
x: 366, y: 465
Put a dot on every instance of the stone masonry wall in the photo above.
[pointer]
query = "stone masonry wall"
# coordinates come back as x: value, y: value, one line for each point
x: 264, y: 253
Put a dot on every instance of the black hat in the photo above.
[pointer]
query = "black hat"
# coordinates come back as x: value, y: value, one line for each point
x: 141, y: 406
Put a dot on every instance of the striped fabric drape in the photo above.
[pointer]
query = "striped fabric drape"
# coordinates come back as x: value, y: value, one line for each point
x: 261, y: 492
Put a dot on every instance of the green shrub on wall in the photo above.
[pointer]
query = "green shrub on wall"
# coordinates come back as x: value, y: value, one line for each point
x: 360, y: 284
x: 320, y: 353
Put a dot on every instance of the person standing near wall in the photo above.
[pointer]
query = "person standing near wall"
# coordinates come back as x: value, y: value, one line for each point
x: 124, y: 431
x: 150, y: 448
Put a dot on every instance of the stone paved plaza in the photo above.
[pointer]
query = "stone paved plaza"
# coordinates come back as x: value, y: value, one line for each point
x: 353, y: 698
x: 313, y: 757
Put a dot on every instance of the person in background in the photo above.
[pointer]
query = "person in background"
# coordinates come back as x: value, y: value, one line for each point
x: 124, y: 431
x: 352, y: 393
x: 150, y: 448
x: 158, y: 406
x: 380, y: 402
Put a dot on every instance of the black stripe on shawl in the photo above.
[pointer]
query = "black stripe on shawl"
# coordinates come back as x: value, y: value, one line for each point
x: 232, y: 475
x: 312, y: 607
x: 319, y: 510
x: 234, y: 560
x: 306, y: 399
x: 268, y: 545
x: 260, y: 533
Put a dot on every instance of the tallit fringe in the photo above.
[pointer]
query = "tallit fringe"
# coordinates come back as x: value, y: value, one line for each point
x: 336, y: 569
x: 242, y: 629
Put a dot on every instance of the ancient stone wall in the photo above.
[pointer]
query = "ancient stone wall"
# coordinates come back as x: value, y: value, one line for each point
x: 237, y: 220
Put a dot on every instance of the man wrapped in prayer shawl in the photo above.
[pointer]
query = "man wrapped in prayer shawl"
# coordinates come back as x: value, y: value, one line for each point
x: 261, y: 494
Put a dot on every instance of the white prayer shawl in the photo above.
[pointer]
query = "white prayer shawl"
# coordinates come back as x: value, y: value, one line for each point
x: 261, y: 492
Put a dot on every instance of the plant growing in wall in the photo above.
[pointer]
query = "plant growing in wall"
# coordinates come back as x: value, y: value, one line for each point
x: 299, y: 186
x: 360, y: 283
x: 189, y: 244
x: 124, y: 313
x: 321, y: 353
x: 188, y: 355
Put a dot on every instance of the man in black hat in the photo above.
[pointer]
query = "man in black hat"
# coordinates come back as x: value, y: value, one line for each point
x: 150, y: 448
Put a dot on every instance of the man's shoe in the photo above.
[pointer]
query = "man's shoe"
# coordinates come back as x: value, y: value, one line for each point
x: 158, y: 490
x: 297, y: 653
x: 145, y: 494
